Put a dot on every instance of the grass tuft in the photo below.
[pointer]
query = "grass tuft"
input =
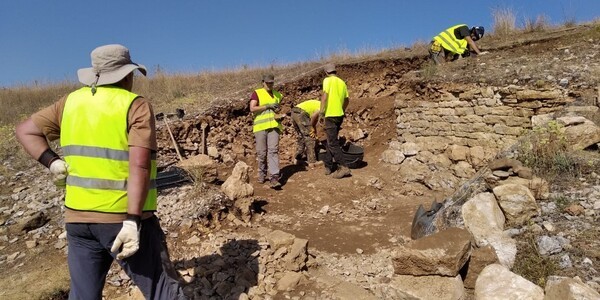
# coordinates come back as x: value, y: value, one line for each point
x: 547, y: 152
x: 530, y: 264
x: 538, y: 24
x: 504, y: 22
x: 428, y: 70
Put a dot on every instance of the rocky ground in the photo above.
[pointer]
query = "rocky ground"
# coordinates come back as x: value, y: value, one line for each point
x: 318, y: 237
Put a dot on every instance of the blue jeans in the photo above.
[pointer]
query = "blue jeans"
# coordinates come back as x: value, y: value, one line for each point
x: 90, y: 258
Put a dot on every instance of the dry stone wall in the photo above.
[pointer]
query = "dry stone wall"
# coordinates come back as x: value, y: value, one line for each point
x: 490, y: 117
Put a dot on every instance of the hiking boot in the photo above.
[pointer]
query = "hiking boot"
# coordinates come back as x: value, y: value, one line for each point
x: 261, y: 179
x: 275, y: 183
x: 315, y: 164
x: 342, y: 172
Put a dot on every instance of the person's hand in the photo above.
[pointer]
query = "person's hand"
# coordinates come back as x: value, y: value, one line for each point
x: 273, y: 106
x: 312, y: 134
x: 128, y: 240
x: 279, y: 117
x: 59, y: 169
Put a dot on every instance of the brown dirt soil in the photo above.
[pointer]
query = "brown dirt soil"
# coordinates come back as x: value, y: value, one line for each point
x: 43, y: 275
x: 306, y: 190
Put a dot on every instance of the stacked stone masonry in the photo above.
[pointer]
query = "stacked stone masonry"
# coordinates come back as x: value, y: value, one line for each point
x: 473, y: 116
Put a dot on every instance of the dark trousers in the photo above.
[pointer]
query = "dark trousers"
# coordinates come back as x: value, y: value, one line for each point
x: 90, y: 258
x: 332, y: 129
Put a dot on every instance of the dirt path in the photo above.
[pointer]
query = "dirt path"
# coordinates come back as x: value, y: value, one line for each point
x: 366, y: 211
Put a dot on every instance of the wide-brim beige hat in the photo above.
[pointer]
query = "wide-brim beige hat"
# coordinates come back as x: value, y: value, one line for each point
x: 110, y: 64
x: 328, y: 68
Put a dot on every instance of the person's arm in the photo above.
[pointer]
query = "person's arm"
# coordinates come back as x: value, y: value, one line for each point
x: 254, y: 107
x: 346, y: 101
x: 142, y: 142
x: 472, y: 45
x: 34, y: 133
x: 31, y: 138
x: 314, y: 119
x: 324, y: 97
x: 138, y: 182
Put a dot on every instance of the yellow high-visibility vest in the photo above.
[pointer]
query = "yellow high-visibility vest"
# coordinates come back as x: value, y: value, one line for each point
x: 310, y: 106
x: 266, y: 119
x: 93, y: 136
x: 449, y: 41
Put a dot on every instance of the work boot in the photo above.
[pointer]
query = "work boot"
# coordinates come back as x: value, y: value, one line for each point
x: 261, y: 179
x: 315, y: 164
x: 342, y: 172
x: 275, y: 182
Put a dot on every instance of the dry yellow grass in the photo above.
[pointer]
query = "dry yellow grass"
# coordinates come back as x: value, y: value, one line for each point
x: 540, y: 23
x: 20, y: 102
x: 504, y: 22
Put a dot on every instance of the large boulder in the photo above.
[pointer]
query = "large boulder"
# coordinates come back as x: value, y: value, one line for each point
x: 443, y: 253
x: 237, y: 186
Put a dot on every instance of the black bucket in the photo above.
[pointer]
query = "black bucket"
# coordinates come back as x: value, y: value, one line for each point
x: 353, y: 155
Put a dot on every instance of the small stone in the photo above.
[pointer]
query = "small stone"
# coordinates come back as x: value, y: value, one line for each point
x: 13, y: 256
x: 564, y: 82
x: 60, y: 244
x: 548, y: 226
x: 324, y: 210
x: 193, y: 240
x: 30, y: 244
x: 565, y: 262
x: 574, y: 209
x: 359, y: 251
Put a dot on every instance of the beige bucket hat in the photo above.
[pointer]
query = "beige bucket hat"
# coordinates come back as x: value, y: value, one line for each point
x: 110, y: 64
x: 328, y: 68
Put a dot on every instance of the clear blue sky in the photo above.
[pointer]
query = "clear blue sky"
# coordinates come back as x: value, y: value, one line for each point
x: 48, y: 40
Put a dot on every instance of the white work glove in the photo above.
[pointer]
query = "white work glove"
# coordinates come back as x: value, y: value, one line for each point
x: 128, y: 238
x: 59, y: 169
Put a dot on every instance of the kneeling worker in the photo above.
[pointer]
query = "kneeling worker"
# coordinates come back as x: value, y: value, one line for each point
x: 305, y: 116
x: 455, y: 42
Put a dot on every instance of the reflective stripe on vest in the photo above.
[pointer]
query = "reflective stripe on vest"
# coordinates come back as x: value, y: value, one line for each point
x: 449, y: 41
x: 266, y: 119
x: 93, y: 136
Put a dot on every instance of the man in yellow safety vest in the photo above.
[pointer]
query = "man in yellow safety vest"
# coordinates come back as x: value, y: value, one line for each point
x: 334, y: 100
x: 455, y: 42
x: 108, y: 139
x: 305, y: 116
